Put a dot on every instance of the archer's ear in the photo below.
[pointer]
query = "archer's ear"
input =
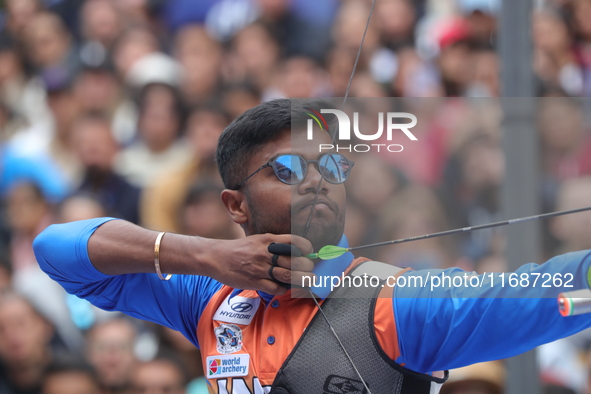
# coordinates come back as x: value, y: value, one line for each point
x: 235, y: 202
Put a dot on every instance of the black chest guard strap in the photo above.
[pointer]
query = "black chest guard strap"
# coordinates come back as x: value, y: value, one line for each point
x: 318, y: 365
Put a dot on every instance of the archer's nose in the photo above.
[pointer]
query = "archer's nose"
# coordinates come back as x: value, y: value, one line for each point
x: 313, y: 181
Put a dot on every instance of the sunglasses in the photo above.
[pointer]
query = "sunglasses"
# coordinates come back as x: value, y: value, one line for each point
x: 292, y: 169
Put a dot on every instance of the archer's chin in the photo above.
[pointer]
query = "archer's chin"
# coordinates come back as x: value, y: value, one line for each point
x: 320, y: 232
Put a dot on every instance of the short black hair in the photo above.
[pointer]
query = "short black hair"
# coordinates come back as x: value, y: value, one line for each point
x: 256, y: 127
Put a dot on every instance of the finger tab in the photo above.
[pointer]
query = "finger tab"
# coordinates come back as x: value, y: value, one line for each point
x: 284, y: 249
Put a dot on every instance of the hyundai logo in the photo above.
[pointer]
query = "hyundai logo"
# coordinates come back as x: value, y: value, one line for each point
x: 241, y: 307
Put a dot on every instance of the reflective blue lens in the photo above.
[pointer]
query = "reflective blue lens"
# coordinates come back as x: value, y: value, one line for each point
x: 334, y: 168
x: 292, y: 169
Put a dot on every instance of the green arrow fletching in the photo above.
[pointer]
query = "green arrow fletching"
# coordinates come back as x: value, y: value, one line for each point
x: 328, y: 252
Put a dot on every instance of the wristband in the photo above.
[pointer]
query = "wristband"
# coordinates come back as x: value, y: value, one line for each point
x: 157, y: 257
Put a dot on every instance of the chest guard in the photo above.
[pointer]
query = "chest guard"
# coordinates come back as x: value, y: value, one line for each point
x: 318, y: 365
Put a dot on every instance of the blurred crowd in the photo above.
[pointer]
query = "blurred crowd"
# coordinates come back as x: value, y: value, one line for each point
x: 114, y: 108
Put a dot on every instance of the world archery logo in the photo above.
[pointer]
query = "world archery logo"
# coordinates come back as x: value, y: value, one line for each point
x: 225, y: 366
x: 214, y: 366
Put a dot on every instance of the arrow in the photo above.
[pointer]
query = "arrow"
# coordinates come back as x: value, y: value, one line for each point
x: 575, y: 302
x: 331, y: 251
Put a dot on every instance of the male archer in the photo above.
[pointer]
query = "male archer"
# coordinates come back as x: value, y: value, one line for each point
x: 229, y: 298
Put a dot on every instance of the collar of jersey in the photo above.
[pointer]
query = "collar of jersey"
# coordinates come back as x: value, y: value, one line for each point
x: 324, y: 270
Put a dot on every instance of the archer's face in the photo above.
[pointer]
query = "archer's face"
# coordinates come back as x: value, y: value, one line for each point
x: 275, y: 207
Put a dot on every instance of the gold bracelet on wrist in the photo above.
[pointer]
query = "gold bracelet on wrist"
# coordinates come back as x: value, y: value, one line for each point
x: 157, y: 257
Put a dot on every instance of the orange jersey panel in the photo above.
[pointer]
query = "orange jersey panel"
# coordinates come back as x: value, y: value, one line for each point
x: 244, y: 341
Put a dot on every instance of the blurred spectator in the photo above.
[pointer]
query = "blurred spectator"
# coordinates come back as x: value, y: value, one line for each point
x: 297, y: 77
x: 65, y: 109
x: 485, y: 80
x: 572, y: 230
x: 454, y: 57
x: 471, y: 193
x: 70, y: 376
x: 49, y: 44
x: 347, y: 31
x: 481, y: 20
x: 396, y: 20
x: 201, y: 58
x: 163, y: 199
x: 24, y: 345
x: 483, y: 378
x: 253, y: 56
x: 364, y: 85
x: 22, y: 94
x: 348, y: 28
x: 296, y: 35
x: 97, y: 150
x: 110, y: 350
x: 204, y: 215
x: 19, y: 14
x: 43, y: 153
x: 28, y: 213
x: 414, y: 77
x: 79, y: 207
x: 97, y: 89
x: 566, y: 144
x: 132, y: 44
x: 159, y: 376
x: 101, y: 24
x: 554, y: 59
x: 339, y: 63
x: 159, y: 149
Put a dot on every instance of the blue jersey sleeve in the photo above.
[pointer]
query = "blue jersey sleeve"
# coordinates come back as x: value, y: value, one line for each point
x: 451, y: 326
x: 61, y: 251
